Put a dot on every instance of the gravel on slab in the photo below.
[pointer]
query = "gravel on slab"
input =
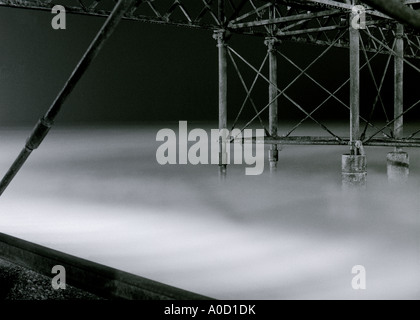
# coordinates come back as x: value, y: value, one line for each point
x: 18, y: 283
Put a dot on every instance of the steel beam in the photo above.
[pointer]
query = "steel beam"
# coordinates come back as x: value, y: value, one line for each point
x: 398, y: 162
x: 397, y: 10
x: 44, y: 125
x: 327, y: 141
x: 298, y: 17
x: 221, y: 16
x: 273, y: 155
x: 354, y: 86
x: 354, y: 173
x: 220, y: 36
x: 399, y: 83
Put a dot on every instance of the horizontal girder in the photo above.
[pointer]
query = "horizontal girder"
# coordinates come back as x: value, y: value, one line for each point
x: 310, y: 21
x: 330, y: 141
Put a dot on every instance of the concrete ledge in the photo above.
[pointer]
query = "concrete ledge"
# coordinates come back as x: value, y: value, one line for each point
x: 398, y: 167
x: 354, y: 171
x: 90, y: 276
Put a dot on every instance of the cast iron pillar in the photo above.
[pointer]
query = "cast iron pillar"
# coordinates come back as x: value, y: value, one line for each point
x: 398, y: 162
x: 273, y: 154
x: 354, y: 165
x: 220, y: 36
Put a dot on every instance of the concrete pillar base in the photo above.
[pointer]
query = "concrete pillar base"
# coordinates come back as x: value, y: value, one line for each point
x: 398, y: 167
x: 354, y: 171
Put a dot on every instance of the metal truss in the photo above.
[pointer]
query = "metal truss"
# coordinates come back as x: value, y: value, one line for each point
x: 308, y: 21
x: 321, y: 22
x: 370, y: 133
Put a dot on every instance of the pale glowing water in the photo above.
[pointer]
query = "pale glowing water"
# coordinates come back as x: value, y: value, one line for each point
x: 100, y: 194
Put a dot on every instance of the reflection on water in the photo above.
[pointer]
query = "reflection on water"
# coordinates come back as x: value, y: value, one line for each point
x: 100, y: 194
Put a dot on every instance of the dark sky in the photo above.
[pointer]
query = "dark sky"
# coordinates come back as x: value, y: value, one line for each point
x: 145, y: 72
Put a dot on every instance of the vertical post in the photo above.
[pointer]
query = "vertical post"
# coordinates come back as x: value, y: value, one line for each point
x: 221, y: 44
x: 220, y: 37
x: 354, y: 87
x: 273, y: 155
x: 399, y: 83
x: 354, y: 173
x: 398, y: 161
x: 271, y: 43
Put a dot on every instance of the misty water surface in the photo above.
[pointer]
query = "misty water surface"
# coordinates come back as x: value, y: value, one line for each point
x: 100, y: 194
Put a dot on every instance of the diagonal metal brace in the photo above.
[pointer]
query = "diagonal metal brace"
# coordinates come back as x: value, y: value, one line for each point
x: 44, y: 125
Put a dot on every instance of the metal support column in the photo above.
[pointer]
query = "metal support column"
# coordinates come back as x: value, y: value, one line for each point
x: 354, y: 173
x: 223, y: 140
x: 398, y: 161
x: 354, y: 88
x: 273, y: 155
x: 220, y: 36
x: 44, y: 125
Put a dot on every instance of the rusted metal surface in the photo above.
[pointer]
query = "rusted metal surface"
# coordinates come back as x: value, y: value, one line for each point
x: 220, y: 37
x: 322, y: 22
x: 240, y: 16
x: 398, y: 10
x: 223, y: 83
x: 354, y: 86
x: 399, y: 82
x: 274, y: 104
x: 327, y: 141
